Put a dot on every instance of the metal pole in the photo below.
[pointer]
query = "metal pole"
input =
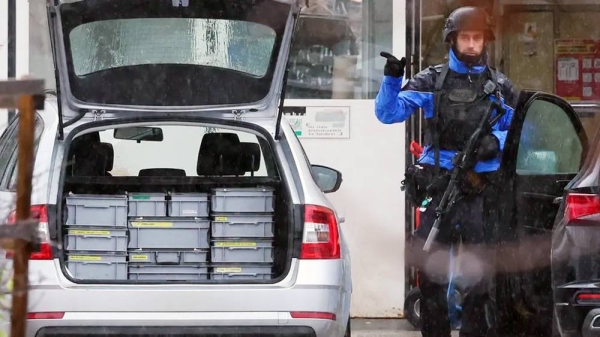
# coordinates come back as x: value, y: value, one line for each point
x: 22, y: 248
x: 27, y: 95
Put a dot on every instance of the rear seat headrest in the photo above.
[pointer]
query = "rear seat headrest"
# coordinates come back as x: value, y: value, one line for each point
x: 220, y: 155
x: 251, y: 156
x: 93, y: 159
x: 108, y: 155
x: 162, y: 172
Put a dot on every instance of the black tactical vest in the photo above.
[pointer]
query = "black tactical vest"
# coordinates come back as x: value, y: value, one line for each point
x: 461, y: 108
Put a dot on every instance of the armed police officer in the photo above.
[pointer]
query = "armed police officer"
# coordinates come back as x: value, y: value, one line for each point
x: 455, y: 98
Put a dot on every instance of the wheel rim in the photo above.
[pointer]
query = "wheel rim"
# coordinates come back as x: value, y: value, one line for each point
x: 417, y: 308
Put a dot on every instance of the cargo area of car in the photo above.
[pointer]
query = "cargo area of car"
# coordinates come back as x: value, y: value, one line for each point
x: 223, y: 225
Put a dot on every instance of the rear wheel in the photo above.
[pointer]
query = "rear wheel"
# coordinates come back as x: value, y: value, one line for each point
x: 412, y: 307
x: 347, y: 334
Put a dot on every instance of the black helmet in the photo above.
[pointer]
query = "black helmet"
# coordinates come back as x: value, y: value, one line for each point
x: 468, y: 18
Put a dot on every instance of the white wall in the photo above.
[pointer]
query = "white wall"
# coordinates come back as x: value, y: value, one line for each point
x: 372, y: 164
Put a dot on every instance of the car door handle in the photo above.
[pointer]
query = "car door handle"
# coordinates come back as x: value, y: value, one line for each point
x: 557, y: 201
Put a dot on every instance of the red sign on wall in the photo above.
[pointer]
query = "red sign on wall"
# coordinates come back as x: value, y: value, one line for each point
x: 577, y: 66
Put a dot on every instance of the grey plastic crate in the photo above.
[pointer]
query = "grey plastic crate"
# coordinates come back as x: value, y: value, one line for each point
x: 242, y: 251
x: 188, y: 205
x: 242, y: 226
x: 171, y: 234
x: 86, y: 266
x: 168, y: 273
x: 169, y: 257
x: 147, y: 205
x: 239, y: 272
x: 242, y: 200
x: 97, y: 210
x: 96, y: 240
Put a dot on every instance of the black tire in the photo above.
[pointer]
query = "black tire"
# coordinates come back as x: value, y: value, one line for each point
x: 348, y: 330
x: 412, y: 304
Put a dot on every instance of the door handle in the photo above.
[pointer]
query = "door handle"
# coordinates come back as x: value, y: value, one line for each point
x: 557, y: 201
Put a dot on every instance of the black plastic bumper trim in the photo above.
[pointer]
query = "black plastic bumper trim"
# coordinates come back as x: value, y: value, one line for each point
x: 177, y: 331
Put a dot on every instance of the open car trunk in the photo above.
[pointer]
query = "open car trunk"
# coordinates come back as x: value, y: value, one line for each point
x: 224, y: 224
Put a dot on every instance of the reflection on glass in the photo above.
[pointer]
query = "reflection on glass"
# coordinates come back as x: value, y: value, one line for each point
x: 336, y: 49
x: 236, y: 45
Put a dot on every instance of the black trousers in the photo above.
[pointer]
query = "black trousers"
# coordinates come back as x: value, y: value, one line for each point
x: 474, y: 216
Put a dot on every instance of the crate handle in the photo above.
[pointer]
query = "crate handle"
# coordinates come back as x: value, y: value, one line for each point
x: 234, y: 248
x: 97, y: 236
x: 241, y: 274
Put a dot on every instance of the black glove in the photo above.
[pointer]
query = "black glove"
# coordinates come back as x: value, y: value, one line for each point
x: 489, y: 147
x: 393, y: 66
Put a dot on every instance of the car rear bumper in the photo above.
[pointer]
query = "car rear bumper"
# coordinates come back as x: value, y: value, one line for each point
x: 591, y: 324
x: 298, y: 331
x: 142, y: 324
x: 307, y: 290
x: 576, y: 318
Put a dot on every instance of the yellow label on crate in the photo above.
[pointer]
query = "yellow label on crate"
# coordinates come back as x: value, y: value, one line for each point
x: 221, y: 218
x: 229, y: 270
x: 139, y: 257
x: 86, y: 232
x: 151, y: 224
x: 235, y: 244
x: 84, y: 258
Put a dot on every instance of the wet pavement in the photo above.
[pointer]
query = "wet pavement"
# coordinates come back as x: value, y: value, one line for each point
x: 385, y: 328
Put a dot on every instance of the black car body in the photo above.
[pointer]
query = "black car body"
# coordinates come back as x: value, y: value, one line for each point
x: 575, y: 252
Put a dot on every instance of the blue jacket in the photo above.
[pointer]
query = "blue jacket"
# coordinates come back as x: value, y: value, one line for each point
x: 395, y: 104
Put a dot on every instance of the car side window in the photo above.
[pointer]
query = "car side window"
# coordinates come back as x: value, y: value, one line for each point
x: 8, y: 144
x: 549, y: 142
x: 12, y: 164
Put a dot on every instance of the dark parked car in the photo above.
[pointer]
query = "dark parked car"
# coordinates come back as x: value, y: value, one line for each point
x: 575, y: 252
x: 544, y: 152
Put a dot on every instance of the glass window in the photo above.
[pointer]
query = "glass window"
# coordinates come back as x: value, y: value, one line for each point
x: 549, y: 143
x: 242, y: 46
x: 180, y: 149
x: 12, y: 166
x: 8, y: 145
x: 336, y: 49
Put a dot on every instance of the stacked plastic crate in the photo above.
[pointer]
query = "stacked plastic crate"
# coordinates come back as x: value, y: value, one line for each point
x: 168, y: 236
x: 96, y: 236
x: 242, y: 233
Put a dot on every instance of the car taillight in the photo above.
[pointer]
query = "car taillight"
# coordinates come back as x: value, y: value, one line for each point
x: 45, y: 315
x: 579, y: 206
x: 588, y: 297
x: 320, y: 239
x: 40, y: 214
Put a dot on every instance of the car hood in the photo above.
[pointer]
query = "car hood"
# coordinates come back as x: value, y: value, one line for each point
x: 222, y: 59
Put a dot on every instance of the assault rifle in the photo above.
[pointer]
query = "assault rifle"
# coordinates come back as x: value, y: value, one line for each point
x: 464, y: 162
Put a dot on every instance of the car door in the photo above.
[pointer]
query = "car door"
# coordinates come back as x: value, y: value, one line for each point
x: 544, y: 150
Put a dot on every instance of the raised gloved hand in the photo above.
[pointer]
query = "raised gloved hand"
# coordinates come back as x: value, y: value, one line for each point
x: 393, y: 66
x: 489, y: 147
